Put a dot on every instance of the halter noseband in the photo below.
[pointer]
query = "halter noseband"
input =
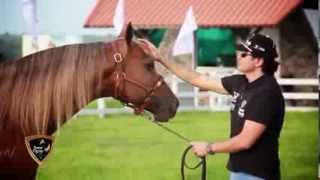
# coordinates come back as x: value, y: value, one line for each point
x: 120, y: 80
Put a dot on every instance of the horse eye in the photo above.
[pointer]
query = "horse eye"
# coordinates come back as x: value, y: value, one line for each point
x: 149, y: 66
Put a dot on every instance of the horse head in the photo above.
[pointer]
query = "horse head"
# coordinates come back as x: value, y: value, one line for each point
x: 135, y: 80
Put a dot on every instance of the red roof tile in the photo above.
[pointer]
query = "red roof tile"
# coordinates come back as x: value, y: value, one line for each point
x: 170, y: 13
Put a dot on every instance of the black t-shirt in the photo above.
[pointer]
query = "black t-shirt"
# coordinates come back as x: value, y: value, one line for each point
x: 260, y: 101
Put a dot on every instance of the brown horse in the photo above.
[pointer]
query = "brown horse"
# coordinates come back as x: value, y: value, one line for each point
x: 40, y: 92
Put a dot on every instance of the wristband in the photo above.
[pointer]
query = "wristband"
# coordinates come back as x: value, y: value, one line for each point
x: 209, y: 150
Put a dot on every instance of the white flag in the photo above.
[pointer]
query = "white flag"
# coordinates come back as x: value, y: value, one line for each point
x: 118, y: 18
x: 185, y: 40
x: 29, y: 9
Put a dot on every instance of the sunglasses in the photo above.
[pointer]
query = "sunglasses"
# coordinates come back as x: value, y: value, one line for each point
x: 243, y: 55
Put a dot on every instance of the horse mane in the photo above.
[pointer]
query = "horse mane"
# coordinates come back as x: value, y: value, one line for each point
x: 50, y: 85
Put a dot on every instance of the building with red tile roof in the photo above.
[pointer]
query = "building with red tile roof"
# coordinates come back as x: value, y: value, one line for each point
x: 208, y: 13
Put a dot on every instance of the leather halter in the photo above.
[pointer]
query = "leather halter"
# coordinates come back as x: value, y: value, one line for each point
x: 120, y: 78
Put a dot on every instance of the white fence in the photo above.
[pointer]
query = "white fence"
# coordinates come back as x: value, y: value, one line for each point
x: 213, y: 101
x: 191, y: 98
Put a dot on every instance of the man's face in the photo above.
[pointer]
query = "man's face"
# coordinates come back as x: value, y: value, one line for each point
x: 246, y: 62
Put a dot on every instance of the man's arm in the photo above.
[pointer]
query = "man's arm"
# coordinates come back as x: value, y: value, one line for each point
x: 193, y: 77
x: 245, y: 140
x: 189, y: 75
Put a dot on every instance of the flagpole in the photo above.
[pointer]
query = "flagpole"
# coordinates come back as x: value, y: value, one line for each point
x: 195, y: 50
x: 194, y: 66
x: 119, y: 17
x: 29, y: 12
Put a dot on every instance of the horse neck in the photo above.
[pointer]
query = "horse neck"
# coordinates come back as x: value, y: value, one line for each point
x: 105, y: 88
x: 54, y: 125
x: 48, y: 99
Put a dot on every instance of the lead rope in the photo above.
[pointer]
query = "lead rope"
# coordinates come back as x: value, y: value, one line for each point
x: 201, y: 163
x: 184, y: 164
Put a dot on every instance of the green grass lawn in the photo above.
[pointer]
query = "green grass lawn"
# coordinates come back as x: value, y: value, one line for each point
x: 109, y: 103
x: 125, y: 147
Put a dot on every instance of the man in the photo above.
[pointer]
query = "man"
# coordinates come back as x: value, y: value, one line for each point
x: 257, y: 109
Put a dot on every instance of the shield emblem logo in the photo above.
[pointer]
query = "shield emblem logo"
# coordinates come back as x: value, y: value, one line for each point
x: 39, y: 146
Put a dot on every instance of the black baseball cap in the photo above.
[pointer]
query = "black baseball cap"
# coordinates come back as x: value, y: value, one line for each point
x: 259, y: 45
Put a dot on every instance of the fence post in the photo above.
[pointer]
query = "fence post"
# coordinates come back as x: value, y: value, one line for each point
x: 101, y: 107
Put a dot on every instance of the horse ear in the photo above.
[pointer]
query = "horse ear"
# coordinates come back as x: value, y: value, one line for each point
x: 127, y: 33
